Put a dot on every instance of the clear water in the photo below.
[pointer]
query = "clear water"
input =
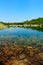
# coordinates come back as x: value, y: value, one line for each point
x: 22, y: 36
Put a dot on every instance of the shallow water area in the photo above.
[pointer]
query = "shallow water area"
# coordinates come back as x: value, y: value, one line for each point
x: 21, y: 46
x: 21, y: 36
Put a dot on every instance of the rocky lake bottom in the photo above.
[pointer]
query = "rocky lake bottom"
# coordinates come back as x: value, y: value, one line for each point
x: 25, y: 55
x: 22, y: 51
x: 19, y: 46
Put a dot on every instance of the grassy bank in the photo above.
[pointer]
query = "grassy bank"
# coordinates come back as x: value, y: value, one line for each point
x: 2, y: 26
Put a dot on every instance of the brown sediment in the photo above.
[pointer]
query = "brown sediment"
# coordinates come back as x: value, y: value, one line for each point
x: 16, y: 55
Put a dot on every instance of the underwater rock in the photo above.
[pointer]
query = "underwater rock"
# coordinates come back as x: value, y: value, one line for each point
x: 16, y: 55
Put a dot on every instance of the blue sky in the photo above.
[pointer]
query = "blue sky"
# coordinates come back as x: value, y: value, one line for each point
x: 20, y: 10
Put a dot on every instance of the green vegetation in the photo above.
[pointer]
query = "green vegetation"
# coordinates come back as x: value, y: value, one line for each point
x: 32, y: 23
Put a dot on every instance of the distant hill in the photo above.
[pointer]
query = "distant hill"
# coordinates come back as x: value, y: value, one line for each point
x: 34, y: 21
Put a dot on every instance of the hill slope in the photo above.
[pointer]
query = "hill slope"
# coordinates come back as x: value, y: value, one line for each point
x: 34, y: 21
